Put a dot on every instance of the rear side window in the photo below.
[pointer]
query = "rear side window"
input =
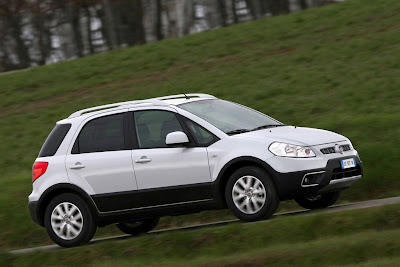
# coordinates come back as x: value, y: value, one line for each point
x: 54, y: 140
x: 102, y: 134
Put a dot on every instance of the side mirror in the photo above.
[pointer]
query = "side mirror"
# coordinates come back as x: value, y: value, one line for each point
x: 176, y: 138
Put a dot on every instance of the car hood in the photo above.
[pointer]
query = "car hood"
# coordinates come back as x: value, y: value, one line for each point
x: 295, y: 135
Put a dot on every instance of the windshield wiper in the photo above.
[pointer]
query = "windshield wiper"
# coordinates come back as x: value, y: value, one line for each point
x: 238, y: 131
x: 267, y: 126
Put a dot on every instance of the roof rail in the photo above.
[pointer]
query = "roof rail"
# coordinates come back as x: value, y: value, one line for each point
x: 184, y: 96
x: 153, y: 101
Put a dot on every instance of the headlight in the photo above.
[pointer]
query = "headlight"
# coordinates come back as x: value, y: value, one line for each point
x: 288, y: 150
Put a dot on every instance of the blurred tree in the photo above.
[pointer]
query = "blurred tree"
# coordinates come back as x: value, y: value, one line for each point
x: 108, y: 24
x: 254, y: 7
x: 42, y: 12
x: 11, y: 14
x: 303, y: 4
x: 88, y: 18
x: 222, y: 10
x: 77, y: 10
x: 30, y: 28
x: 136, y: 24
x: 158, y: 24
x: 234, y: 13
x: 277, y: 7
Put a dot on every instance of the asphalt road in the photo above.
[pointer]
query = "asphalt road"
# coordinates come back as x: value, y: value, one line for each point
x: 336, y: 208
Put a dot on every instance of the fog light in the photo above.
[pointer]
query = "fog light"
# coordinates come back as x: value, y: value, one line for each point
x: 312, y: 179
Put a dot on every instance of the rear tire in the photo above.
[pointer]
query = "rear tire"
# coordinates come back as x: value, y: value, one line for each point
x: 69, y: 221
x: 251, y: 194
x: 138, y: 227
x: 319, y: 201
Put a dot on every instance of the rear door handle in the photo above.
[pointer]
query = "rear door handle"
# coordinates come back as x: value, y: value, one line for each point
x: 77, y: 165
x: 143, y: 159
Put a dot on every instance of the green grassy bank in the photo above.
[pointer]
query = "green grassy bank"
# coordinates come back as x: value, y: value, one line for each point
x: 349, y: 237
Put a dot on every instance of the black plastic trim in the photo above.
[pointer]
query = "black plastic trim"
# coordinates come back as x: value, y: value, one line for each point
x: 38, y: 211
x: 156, y: 212
x: 287, y: 184
x: 33, y: 211
x: 139, y: 199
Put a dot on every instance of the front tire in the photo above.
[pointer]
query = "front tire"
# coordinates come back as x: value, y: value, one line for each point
x: 139, y: 227
x: 319, y: 201
x: 69, y: 221
x: 251, y: 194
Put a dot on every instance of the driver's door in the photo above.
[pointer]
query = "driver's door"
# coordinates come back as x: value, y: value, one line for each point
x: 167, y: 175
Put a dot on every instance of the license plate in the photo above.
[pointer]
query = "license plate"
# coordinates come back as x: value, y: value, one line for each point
x: 348, y: 163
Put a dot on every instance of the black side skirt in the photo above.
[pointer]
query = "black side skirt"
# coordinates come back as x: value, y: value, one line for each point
x: 148, y: 198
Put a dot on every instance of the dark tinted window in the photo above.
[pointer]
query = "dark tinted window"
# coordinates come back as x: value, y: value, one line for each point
x: 102, y: 134
x: 201, y: 135
x: 152, y: 127
x: 54, y: 140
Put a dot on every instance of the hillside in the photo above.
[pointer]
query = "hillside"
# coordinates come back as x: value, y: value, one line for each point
x: 335, y: 68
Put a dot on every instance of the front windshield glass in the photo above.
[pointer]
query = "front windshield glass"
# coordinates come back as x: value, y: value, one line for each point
x: 229, y: 117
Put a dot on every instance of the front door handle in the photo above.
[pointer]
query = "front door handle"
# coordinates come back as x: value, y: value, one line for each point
x: 143, y: 159
x: 77, y: 165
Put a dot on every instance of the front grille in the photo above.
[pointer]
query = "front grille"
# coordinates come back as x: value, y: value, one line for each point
x: 330, y: 150
x: 339, y: 173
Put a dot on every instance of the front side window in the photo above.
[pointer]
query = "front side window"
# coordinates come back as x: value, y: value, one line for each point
x: 152, y: 127
x: 201, y: 135
x: 102, y: 134
x: 229, y: 117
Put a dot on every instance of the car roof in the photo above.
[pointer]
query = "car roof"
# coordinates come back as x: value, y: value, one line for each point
x: 165, y: 101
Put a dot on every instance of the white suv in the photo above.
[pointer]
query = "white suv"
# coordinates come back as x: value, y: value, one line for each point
x: 131, y: 163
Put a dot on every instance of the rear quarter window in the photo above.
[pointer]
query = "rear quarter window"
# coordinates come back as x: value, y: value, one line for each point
x: 54, y: 140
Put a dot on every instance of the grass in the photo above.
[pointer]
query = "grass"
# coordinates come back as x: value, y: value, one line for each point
x: 333, y: 68
x: 349, y: 237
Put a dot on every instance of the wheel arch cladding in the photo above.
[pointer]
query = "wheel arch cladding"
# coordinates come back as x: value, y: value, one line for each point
x: 59, y: 189
x: 232, y: 166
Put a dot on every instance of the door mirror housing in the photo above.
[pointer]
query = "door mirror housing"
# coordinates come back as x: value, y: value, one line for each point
x: 176, y: 138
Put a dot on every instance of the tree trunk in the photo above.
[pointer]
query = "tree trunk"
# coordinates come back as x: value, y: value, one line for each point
x: 189, y: 15
x: 43, y: 36
x: 158, y: 24
x: 134, y: 17
x: 74, y: 18
x: 277, y: 7
x: 21, y: 49
x: 221, y: 4
x: 89, y: 29
x: 108, y: 28
x: 263, y: 7
x: 303, y: 4
x: 140, y: 35
x: 234, y: 14
x: 255, y: 8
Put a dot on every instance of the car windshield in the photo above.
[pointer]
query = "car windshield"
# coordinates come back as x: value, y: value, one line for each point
x: 229, y: 117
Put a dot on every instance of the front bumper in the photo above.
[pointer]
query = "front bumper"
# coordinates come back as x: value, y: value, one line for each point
x: 330, y: 178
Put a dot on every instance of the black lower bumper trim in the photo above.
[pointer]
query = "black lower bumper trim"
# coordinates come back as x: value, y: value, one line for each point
x: 33, y: 210
x: 289, y: 184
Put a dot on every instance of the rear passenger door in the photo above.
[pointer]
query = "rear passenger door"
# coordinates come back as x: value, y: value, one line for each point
x: 101, y: 159
x: 167, y: 175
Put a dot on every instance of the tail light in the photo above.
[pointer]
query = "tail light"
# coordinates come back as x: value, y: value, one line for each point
x: 39, y: 168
